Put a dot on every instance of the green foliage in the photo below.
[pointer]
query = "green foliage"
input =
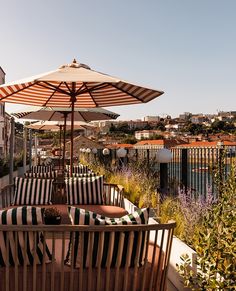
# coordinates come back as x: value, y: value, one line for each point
x: 18, y: 161
x: 188, y: 215
x: 171, y: 209
x: 4, y: 167
x: 19, y: 128
x: 215, y: 244
x: 139, y: 181
x: 130, y: 139
x: 222, y: 126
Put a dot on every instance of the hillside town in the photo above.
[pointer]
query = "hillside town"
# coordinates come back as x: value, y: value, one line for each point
x: 149, y: 132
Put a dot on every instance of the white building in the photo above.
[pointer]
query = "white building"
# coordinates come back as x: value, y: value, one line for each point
x: 151, y: 118
x: 146, y: 134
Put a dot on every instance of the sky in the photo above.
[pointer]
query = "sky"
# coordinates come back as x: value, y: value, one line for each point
x: 186, y: 48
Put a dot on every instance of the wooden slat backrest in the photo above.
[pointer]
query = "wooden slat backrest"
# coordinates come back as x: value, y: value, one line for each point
x: 45, y: 277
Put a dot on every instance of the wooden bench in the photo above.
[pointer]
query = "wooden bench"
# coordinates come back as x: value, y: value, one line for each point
x: 151, y: 275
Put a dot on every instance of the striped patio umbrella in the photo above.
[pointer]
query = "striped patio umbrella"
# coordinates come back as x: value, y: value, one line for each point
x: 51, y: 114
x: 58, y: 126
x: 58, y: 114
x: 75, y: 85
x: 55, y: 125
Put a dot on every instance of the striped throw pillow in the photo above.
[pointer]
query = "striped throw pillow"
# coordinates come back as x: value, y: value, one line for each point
x: 32, y: 191
x: 76, y: 175
x: 25, y: 215
x: 84, y: 175
x: 80, y: 216
x: 80, y: 169
x: 87, y: 190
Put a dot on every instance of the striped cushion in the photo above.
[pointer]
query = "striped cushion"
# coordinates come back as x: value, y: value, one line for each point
x: 87, y: 190
x: 76, y: 175
x: 40, y: 169
x: 80, y: 169
x: 49, y: 175
x: 26, y: 215
x: 80, y: 216
x: 32, y: 191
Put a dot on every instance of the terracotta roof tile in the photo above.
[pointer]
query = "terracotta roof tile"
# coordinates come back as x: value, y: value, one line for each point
x: 207, y: 144
x: 120, y: 145
x: 151, y: 142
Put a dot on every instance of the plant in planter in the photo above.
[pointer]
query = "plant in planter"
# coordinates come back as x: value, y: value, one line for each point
x: 52, y: 216
x: 4, y: 167
x: 215, y: 244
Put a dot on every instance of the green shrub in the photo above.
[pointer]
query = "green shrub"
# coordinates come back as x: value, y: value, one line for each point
x: 138, y: 179
x: 4, y: 167
x: 215, y: 244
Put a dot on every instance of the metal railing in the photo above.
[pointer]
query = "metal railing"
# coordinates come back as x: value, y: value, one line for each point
x: 192, y: 168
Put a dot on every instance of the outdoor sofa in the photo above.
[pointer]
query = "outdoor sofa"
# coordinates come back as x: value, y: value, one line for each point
x: 122, y: 253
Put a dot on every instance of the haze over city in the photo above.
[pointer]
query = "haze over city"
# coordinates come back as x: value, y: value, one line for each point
x: 185, y: 48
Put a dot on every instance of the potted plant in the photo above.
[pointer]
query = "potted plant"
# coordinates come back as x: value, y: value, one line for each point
x: 52, y: 216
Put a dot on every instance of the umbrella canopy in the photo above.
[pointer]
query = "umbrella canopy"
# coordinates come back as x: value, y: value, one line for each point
x: 55, y: 125
x: 57, y: 114
x: 75, y: 85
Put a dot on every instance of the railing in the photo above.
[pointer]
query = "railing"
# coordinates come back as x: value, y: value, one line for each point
x: 191, y: 169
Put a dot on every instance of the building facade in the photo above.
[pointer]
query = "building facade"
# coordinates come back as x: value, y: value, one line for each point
x: 2, y: 119
x: 5, y: 124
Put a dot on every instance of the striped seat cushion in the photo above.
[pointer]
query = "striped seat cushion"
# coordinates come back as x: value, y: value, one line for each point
x: 49, y: 175
x: 40, y: 169
x: 80, y: 216
x: 22, y: 245
x: 32, y: 191
x: 87, y: 190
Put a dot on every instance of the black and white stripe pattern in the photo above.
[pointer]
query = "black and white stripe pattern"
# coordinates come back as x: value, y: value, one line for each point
x: 41, y: 169
x: 45, y: 175
x: 80, y: 169
x: 84, y: 175
x: 32, y: 191
x: 87, y: 190
x: 26, y: 215
x: 84, y: 217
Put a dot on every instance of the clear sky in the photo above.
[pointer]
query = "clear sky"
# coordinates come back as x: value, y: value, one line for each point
x: 186, y: 48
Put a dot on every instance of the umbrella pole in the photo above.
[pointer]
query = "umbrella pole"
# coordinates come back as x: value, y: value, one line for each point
x: 64, y: 140
x: 60, y: 126
x: 73, y: 99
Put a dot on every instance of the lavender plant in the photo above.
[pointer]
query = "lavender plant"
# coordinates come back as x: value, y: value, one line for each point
x: 215, y: 244
x: 188, y: 212
x: 139, y: 178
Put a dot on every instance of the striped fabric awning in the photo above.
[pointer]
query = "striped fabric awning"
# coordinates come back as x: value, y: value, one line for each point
x: 58, y: 114
x: 75, y: 83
